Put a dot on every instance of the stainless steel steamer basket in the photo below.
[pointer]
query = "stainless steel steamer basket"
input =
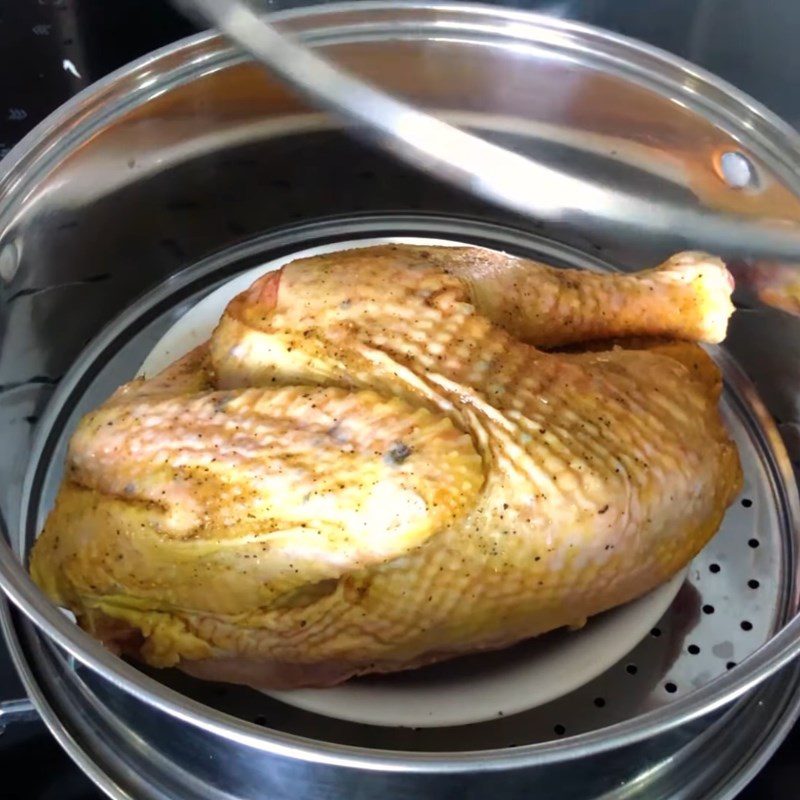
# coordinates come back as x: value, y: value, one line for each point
x: 151, y: 187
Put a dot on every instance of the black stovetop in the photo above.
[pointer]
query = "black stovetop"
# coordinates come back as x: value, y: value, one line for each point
x: 50, y: 49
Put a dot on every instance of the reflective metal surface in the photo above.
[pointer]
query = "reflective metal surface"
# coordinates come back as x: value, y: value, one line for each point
x: 12, y: 711
x: 502, y: 175
x: 192, y: 152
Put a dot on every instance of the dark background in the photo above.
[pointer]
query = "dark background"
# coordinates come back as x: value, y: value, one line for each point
x: 50, y: 49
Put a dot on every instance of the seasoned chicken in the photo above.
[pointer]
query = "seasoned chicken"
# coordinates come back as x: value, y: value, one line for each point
x: 380, y: 460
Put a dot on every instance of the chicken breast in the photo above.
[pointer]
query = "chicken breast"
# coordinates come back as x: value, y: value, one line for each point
x: 379, y: 461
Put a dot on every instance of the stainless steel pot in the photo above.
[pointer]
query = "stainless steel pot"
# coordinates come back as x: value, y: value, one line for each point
x: 149, y: 189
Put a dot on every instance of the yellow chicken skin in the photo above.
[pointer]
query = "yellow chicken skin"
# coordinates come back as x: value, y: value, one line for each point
x: 372, y: 465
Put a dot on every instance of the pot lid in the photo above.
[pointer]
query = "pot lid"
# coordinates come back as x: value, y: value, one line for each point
x: 487, y: 169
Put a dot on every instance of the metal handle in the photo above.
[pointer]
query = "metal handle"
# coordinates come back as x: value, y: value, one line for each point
x: 481, y: 167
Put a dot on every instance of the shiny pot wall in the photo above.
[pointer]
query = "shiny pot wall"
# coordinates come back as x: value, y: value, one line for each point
x: 152, y: 186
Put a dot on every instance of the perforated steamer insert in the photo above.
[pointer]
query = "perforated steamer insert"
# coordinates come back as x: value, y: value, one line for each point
x: 732, y: 600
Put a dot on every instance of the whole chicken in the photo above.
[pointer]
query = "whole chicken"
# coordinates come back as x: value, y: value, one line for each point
x: 394, y: 455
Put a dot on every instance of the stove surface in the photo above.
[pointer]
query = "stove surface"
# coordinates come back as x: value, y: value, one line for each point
x: 51, y: 49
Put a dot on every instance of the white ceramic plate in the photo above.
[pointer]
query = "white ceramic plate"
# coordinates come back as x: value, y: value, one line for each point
x: 462, y: 691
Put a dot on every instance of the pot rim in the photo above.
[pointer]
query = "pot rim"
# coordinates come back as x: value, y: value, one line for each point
x: 206, y: 52
x: 13, y: 627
